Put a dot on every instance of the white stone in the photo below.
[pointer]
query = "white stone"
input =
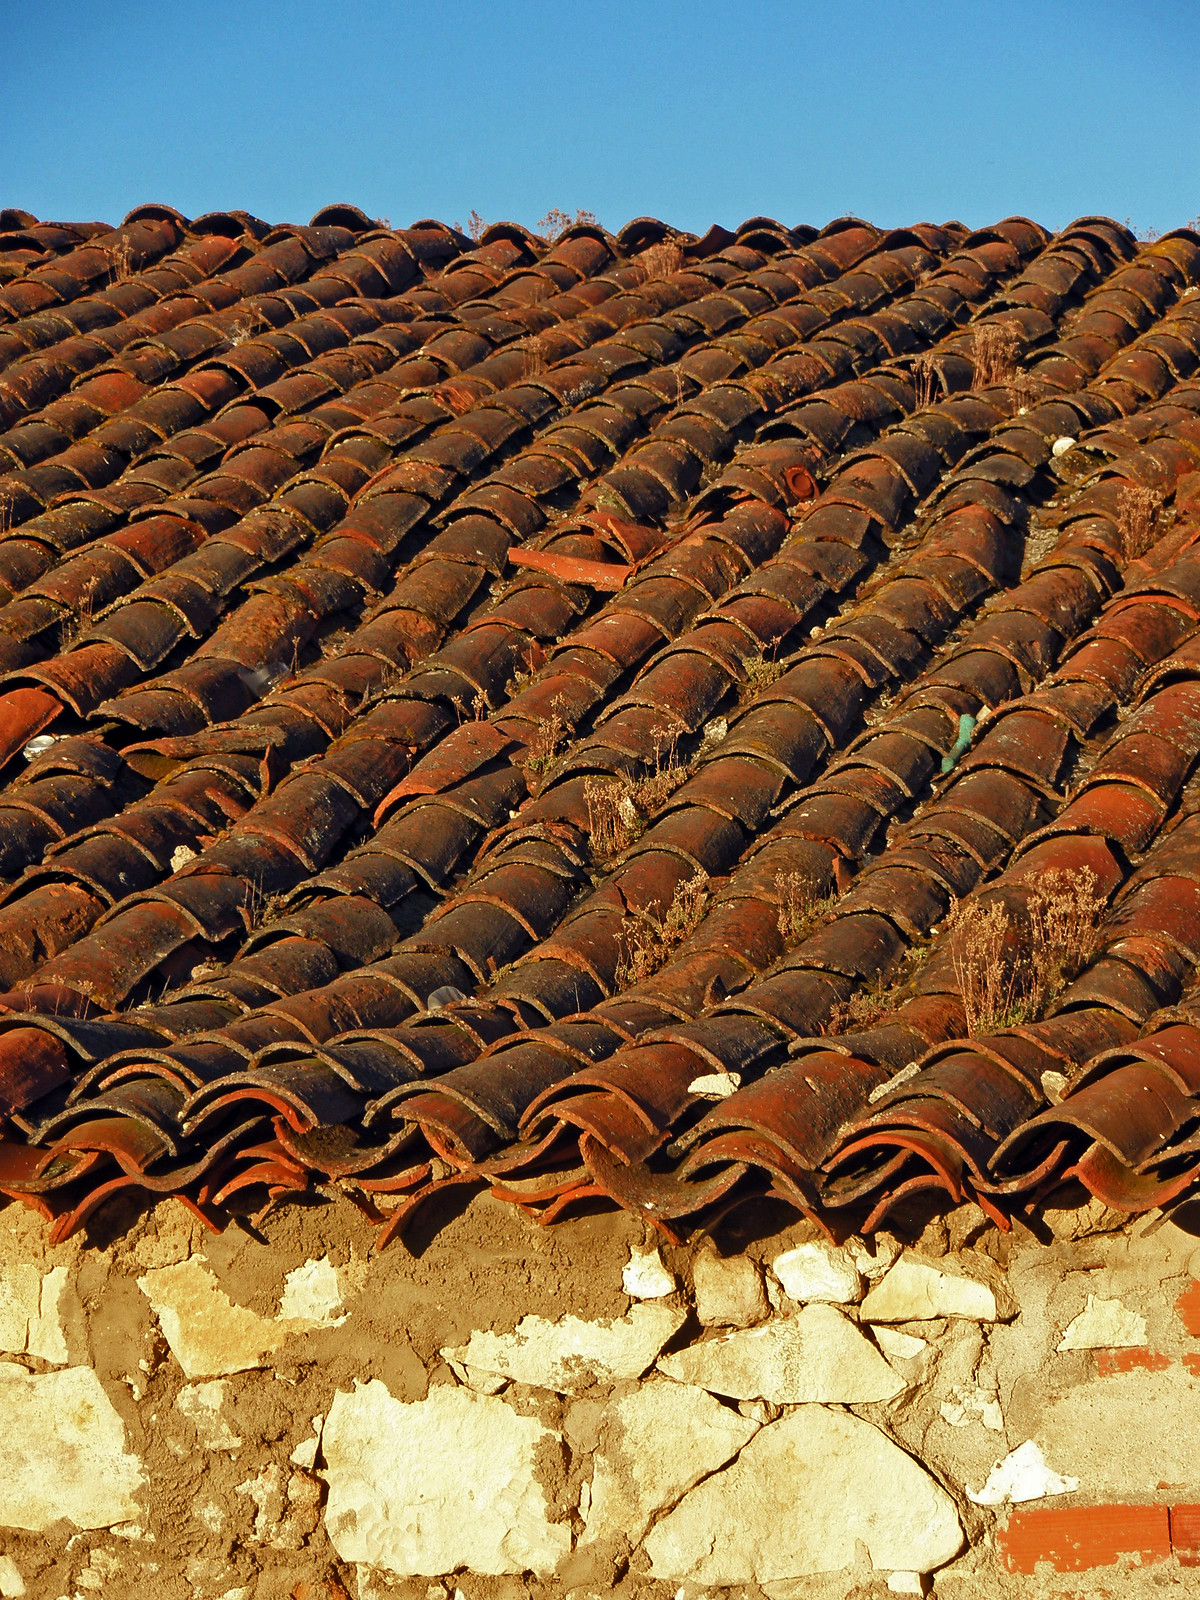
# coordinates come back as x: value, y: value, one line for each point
x: 201, y: 1404
x: 644, y: 1276
x: 571, y: 1354
x: 729, y: 1291
x: 1061, y: 446
x: 12, y: 1585
x: 971, y: 1405
x: 1022, y: 1475
x: 305, y: 1453
x: 715, y: 1085
x: 816, y: 1355
x: 313, y: 1293
x: 62, y: 1452
x: 874, y: 1261
x: 898, y: 1346
x: 916, y: 1290
x: 180, y: 857
x: 30, y: 1312
x: 451, y: 1481
x: 818, y: 1272
x: 655, y: 1444
x: 46, y: 1336
x: 798, y: 1500
x: 908, y: 1583
x: 1104, y: 1325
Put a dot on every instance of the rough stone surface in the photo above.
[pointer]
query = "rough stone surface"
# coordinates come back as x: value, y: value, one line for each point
x: 312, y: 1293
x: 818, y: 1271
x: 1022, y: 1475
x: 451, y: 1481
x: 570, y: 1354
x: 30, y: 1312
x: 12, y: 1585
x: 797, y: 1501
x: 201, y: 1404
x: 209, y: 1336
x: 655, y: 1444
x: 62, y: 1452
x: 1104, y: 1325
x: 729, y: 1291
x: 898, y: 1346
x: 916, y: 1290
x: 816, y: 1355
x: 644, y: 1276
x: 1152, y: 1415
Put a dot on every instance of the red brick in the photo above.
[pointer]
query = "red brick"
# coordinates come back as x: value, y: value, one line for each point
x: 1185, y: 1534
x: 1110, y: 1361
x: 1192, y: 1362
x: 1074, y: 1538
x: 1188, y: 1307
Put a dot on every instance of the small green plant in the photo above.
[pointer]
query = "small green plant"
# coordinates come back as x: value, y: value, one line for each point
x: 548, y: 735
x: 761, y: 672
x: 799, y: 909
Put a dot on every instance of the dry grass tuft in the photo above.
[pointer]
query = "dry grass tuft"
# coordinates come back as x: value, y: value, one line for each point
x: 556, y: 222
x: 659, y: 260
x: 994, y: 351
x: 1003, y: 983
x: 1138, y: 513
x: 799, y: 909
x: 120, y: 257
x: 619, y: 806
x: 79, y: 621
x: 926, y: 381
x: 1023, y: 391
x: 646, y: 940
x: 547, y: 737
x: 614, y: 820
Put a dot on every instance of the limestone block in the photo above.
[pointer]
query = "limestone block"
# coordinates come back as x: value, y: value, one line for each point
x: 451, y: 1481
x: 917, y: 1290
x: 729, y: 1292
x: 819, y: 1271
x: 31, y: 1311
x: 898, y: 1346
x: 12, y: 1585
x: 1022, y: 1475
x: 816, y: 1355
x: 62, y: 1452
x: 655, y: 1444
x: 571, y: 1353
x: 796, y: 1502
x: 1104, y: 1325
x: 313, y: 1293
x: 645, y: 1277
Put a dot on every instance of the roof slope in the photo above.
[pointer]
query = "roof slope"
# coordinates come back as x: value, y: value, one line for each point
x: 521, y: 713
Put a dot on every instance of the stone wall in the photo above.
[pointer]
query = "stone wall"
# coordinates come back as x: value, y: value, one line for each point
x: 575, y: 1411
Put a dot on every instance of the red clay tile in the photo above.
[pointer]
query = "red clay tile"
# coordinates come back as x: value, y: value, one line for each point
x: 1077, y: 1538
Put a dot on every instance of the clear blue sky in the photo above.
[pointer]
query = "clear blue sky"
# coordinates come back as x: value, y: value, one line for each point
x: 696, y: 111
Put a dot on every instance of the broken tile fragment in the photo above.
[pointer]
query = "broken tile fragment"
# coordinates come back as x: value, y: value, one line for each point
x: 451, y: 1481
x: 917, y: 1290
x: 816, y: 1355
x: 729, y: 1291
x: 572, y: 1353
x: 818, y: 1271
x: 798, y: 1500
x: 655, y: 1444
x: 1104, y: 1325
x: 62, y: 1452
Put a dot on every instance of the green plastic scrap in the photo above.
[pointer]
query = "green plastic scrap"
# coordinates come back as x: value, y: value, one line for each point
x: 966, y: 727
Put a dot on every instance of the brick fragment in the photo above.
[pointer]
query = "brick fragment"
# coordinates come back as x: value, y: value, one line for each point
x: 1075, y: 1538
